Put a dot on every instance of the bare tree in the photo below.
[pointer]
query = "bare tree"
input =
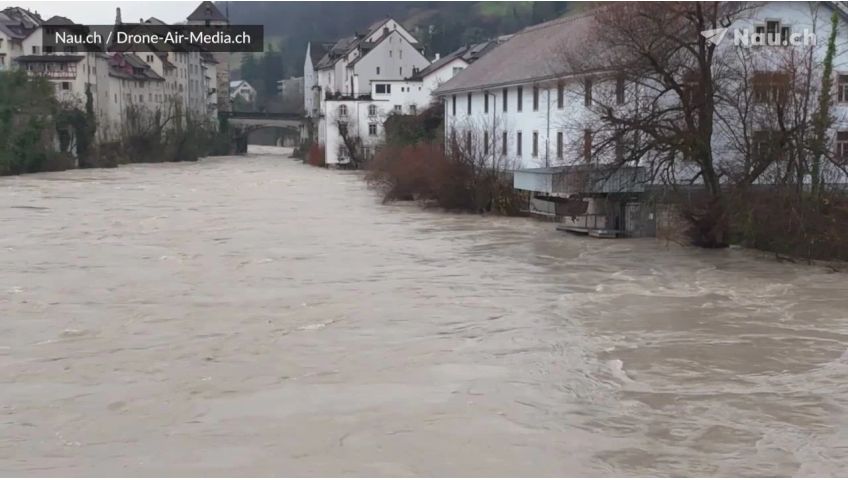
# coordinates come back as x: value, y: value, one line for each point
x: 752, y: 129
x: 478, y: 147
x: 674, y: 81
x: 351, y: 146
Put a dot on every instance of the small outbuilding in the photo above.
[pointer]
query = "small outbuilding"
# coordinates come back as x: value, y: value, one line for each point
x: 600, y: 201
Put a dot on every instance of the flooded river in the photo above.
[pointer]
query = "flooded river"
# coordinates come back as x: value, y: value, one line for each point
x: 257, y: 316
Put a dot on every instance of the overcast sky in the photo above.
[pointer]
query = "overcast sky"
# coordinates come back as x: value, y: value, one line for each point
x: 96, y: 13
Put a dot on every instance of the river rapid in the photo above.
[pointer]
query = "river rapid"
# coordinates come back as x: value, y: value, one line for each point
x: 255, y: 316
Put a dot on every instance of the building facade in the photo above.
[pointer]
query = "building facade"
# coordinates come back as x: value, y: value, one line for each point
x: 525, y: 107
x: 209, y: 15
x: 174, y: 84
x: 354, y: 84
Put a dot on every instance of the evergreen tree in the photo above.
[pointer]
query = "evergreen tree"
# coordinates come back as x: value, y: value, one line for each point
x: 249, y: 68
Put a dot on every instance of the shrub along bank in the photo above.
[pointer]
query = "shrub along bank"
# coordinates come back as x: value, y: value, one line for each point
x: 37, y: 133
x: 415, y: 164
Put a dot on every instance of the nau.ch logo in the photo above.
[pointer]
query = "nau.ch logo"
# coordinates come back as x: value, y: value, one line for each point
x: 760, y: 38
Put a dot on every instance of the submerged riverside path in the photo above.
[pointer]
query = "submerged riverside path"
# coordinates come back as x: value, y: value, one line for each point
x: 256, y: 316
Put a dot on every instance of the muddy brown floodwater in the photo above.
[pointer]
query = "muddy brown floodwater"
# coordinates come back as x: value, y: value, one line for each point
x: 257, y: 316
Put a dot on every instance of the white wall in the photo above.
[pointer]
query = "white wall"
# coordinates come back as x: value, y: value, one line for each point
x: 33, y: 40
x: 6, y: 54
x: 435, y: 79
x: 244, y: 91
x: 404, y: 94
x: 416, y: 92
x: 546, y: 121
x: 359, y: 117
x: 211, y: 89
x: 396, y: 59
x: 549, y: 119
x: 390, y: 25
x: 799, y: 16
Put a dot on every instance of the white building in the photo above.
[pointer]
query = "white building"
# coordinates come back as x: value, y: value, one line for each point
x: 242, y: 89
x: 16, y: 25
x: 145, y: 80
x: 520, y: 102
x: 514, y: 90
x: 211, y: 77
x: 360, y: 80
x: 290, y: 86
x: 343, y: 79
x: 73, y: 75
x: 415, y: 93
x: 133, y: 88
x: 190, y: 75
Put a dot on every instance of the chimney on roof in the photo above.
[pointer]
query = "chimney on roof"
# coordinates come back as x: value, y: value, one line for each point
x: 438, y: 56
x: 118, y: 16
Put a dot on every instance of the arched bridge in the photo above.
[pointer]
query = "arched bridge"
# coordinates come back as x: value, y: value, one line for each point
x: 255, y: 120
x: 244, y: 123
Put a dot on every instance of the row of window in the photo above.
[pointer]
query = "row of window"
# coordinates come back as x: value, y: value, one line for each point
x: 768, y: 87
x: 519, y: 97
x: 383, y: 88
x: 768, y: 143
x: 534, y: 143
x: 764, y: 143
x: 372, y: 128
x: 36, y: 49
x: 400, y: 70
x: 372, y: 110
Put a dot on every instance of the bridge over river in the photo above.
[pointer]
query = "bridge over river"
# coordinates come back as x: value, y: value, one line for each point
x: 264, y: 119
x: 246, y: 123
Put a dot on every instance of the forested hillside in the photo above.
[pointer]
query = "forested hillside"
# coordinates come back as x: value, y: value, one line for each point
x: 440, y: 26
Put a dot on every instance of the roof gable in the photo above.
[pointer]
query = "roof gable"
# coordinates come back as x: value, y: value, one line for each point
x: 373, y: 46
x: 207, y: 11
x: 236, y: 84
x: 347, y: 44
x: 56, y: 20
